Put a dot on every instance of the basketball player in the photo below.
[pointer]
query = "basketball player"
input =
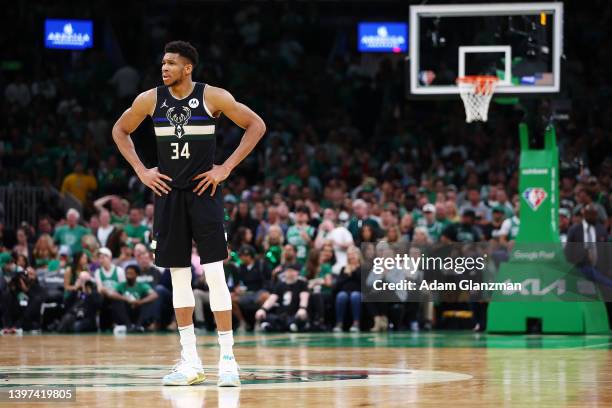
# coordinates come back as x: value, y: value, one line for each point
x: 188, y: 204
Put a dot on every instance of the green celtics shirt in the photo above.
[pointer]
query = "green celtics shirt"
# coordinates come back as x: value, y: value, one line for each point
x: 294, y: 237
x: 273, y: 255
x: 435, y: 230
x: 510, y: 228
x: 324, y: 270
x: 139, y: 231
x: 116, y: 275
x: 135, y: 292
x: 118, y: 221
x: 71, y: 237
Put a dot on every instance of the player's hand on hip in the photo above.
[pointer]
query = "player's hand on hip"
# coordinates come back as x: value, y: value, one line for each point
x: 211, y: 178
x: 153, y: 179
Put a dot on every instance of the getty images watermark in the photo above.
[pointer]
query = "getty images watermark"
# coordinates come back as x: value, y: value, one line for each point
x: 464, y: 272
x: 412, y: 265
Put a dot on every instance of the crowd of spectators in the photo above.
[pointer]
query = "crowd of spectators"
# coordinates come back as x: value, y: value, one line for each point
x: 346, y: 161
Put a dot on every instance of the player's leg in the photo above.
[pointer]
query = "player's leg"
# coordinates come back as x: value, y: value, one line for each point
x: 211, y: 240
x: 202, y: 300
x: 221, y: 305
x: 184, y: 303
x: 189, y: 369
x: 173, y: 250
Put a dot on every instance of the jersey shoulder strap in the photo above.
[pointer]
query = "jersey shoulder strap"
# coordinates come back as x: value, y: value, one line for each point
x: 162, y: 102
x: 204, y: 88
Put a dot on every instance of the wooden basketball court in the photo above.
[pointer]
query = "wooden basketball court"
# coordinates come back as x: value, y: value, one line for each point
x: 321, y: 370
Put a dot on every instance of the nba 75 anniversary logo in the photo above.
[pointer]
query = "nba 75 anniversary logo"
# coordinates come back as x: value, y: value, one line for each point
x: 534, y: 196
x: 178, y: 117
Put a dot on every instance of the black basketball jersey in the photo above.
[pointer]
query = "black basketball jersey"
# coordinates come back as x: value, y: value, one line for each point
x: 185, y: 133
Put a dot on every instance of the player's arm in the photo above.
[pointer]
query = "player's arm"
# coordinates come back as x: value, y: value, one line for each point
x: 142, y: 106
x: 219, y: 101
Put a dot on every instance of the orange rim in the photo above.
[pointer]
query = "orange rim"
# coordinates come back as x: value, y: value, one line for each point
x: 483, y: 84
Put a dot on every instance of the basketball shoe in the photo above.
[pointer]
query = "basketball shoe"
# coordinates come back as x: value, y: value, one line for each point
x: 228, y: 372
x: 185, y: 373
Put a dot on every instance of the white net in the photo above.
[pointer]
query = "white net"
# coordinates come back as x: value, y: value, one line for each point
x: 476, y: 93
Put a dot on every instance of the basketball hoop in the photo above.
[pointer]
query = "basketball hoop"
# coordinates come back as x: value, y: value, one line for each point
x: 476, y: 92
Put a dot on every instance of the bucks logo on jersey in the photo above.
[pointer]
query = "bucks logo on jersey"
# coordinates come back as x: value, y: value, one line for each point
x: 185, y: 135
x: 178, y: 116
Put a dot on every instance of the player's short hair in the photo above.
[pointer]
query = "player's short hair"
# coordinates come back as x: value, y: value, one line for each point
x: 184, y: 49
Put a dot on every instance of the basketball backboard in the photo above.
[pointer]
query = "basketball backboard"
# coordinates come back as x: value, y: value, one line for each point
x: 520, y: 43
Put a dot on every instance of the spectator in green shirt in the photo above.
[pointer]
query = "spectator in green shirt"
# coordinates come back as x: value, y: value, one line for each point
x: 134, y: 303
x: 5, y: 258
x: 360, y: 218
x: 119, y: 213
x: 69, y: 235
x: 429, y: 221
x: 301, y: 234
x: 119, y: 208
x: 441, y: 215
x: 45, y: 253
x: 318, y: 272
x: 272, y: 244
x: 136, y: 232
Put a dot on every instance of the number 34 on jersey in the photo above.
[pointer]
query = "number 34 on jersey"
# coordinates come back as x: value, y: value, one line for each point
x: 178, y: 152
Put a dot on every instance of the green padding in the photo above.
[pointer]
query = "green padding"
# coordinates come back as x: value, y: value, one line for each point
x: 506, y: 100
x: 552, y: 289
x: 551, y: 292
x: 557, y: 317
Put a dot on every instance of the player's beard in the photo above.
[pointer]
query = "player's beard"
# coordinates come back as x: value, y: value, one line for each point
x: 176, y: 81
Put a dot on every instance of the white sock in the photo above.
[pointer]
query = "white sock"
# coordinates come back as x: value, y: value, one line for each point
x: 188, y: 342
x: 226, y: 341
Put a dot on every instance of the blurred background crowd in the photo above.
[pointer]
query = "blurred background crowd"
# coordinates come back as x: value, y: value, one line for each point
x: 347, y: 160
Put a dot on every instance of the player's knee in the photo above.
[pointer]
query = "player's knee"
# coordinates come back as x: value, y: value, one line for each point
x: 182, y: 294
x: 220, y: 298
